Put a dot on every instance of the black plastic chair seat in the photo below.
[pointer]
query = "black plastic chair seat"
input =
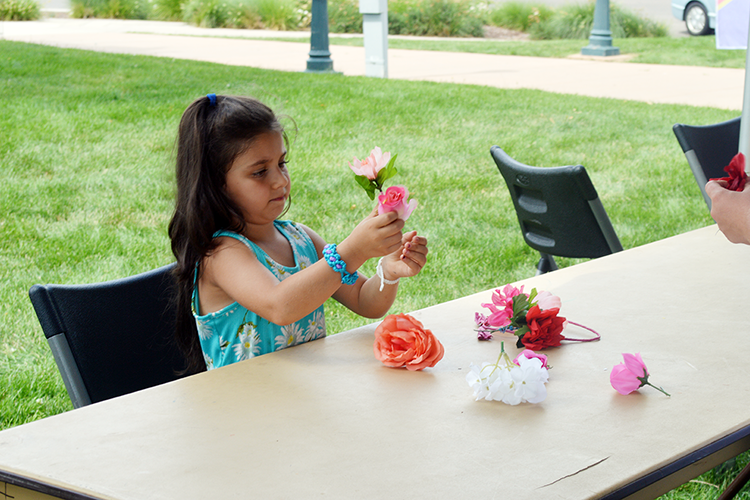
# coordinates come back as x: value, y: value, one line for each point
x: 708, y: 149
x: 111, y: 338
x: 558, y: 209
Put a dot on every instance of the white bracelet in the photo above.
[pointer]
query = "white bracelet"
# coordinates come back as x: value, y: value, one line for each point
x: 379, y: 272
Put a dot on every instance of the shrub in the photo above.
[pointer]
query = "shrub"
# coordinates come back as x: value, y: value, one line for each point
x: 167, y: 10
x: 19, y: 10
x: 278, y: 14
x: 414, y: 17
x: 519, y: 16
x: 458, y: 18
x: 576, y: 21
x: 112, y: 9
x: 344, y: 16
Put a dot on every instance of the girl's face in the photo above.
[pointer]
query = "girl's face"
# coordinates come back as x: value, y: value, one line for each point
x: 258, y: 180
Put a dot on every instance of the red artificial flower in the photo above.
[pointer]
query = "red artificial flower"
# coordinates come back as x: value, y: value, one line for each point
x: 545, y: 328
x: 737, y: 176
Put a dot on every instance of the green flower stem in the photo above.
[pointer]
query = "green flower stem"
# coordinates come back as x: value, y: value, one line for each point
x: 659, y: 389
x: 502, y: 355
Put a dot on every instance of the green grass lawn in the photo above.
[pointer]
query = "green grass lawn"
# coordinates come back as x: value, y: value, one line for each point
x: 686, y: 51
x: 86, y: 178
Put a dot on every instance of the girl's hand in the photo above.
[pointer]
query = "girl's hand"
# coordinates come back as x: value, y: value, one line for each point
x: 376, y: 236
x: 408, y: 260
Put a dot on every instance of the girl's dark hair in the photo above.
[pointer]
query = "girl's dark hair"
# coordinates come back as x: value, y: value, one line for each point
x: 212, y: 133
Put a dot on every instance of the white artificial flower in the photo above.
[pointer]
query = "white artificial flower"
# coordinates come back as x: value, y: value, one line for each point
x: 510, y: 383
x: 530, y: 378
x: 483, y: 380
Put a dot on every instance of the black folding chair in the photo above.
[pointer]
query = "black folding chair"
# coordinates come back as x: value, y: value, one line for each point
x: 559, y: 211
x: 111, y: 338
x: 708, y: 149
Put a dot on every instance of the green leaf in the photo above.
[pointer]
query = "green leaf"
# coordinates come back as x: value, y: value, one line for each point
x: 387, y: 172
x: 522, y: 331
x: 363, y: 181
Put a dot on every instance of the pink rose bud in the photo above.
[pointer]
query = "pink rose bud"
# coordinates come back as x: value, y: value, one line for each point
x: 395, y: 200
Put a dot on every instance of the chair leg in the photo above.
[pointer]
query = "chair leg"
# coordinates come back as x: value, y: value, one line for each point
x: 546, y: 264
x: 735, y: 486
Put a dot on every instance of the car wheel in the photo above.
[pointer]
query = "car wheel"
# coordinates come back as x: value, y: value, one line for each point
x: 696, y: 19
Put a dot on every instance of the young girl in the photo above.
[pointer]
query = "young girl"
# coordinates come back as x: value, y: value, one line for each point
x: 255, y: 284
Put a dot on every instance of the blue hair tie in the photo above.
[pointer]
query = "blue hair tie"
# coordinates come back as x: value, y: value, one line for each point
x: 211, y: 99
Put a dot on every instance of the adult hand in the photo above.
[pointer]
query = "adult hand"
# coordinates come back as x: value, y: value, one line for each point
x: 730, y: 210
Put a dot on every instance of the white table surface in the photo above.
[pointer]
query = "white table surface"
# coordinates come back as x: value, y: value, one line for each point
x: 327, y: 420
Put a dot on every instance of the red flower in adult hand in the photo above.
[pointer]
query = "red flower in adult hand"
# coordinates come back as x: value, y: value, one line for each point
x: 737, y: 176
x: 545, y: 328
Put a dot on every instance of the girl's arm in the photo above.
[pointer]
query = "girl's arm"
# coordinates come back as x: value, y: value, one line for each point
x: 233, y: 273
x: 365, y: 297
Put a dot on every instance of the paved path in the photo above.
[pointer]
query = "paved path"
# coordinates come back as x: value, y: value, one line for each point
x: 712, y: 87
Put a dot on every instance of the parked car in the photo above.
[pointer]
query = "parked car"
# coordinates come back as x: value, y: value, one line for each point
x: 699, y: 15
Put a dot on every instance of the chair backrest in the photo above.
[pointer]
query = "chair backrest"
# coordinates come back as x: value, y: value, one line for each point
x: 111, y: 338
x: 708, y: 149
x: 558, y: 209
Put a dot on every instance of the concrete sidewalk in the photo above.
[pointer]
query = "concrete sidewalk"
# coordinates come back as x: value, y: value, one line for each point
x: 698, y: 86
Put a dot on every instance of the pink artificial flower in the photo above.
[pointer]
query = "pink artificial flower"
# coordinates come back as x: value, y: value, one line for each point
x: 545, y: 300
x: 529, y: 354
x: 631, y: 375
x: 484, y: 329
x: 395, y: 199
x: 370, y: 166
x: 623, y: 380
x: 502, y: 306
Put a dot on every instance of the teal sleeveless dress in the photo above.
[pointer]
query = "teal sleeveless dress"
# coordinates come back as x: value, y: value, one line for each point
x: 234, y: 333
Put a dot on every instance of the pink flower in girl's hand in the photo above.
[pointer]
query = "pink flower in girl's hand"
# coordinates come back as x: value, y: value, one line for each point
x: 374, y: 170
x: 370, y: 166
x: 395, y: 199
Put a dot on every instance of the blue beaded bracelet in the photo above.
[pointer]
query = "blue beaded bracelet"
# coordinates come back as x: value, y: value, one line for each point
x: 334, y: 260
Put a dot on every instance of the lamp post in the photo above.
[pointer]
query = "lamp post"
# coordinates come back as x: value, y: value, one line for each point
x: 320, y: 57
x: 600, y: 41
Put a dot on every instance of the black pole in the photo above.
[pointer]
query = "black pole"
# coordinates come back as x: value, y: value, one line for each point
x: 320, y: 57
x: 600, y: 41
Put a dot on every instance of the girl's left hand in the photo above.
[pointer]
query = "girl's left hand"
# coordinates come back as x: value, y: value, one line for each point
x: 408, y: 260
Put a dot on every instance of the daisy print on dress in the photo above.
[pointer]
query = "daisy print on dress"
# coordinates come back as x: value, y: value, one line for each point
x: 205, y: 331
x: 290, y: 335
x: 304, y: 262
x: 249, y: 342
x: 316, y: 327
x: 223, y: 343
x: 276, y: 269
x: 209, y: 361
x: 294, y: 233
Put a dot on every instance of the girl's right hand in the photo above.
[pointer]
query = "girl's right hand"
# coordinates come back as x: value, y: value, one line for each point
x: 376, y: 236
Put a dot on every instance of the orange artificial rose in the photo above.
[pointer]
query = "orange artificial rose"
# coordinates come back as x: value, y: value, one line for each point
x: 401, y: 340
